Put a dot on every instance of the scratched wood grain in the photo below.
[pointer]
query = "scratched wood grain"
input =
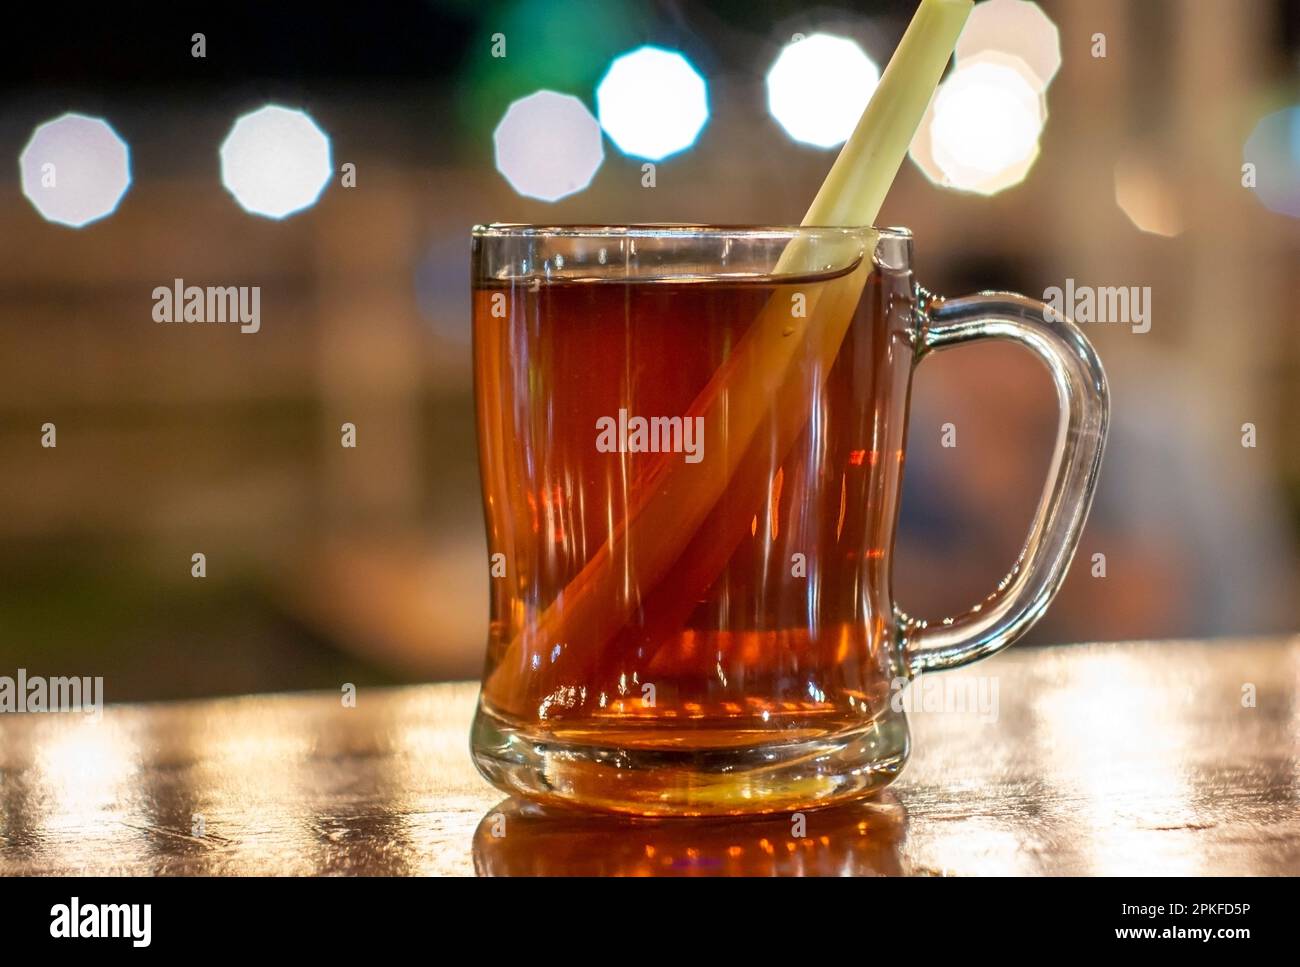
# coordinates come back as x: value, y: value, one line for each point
x: 1139, y: 758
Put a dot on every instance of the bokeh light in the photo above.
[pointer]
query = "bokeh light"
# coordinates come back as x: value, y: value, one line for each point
x: 275, y: 161
x: 556, y: 45
x: 1274, y: 150
x: 1016, y: 27
x: 75, y: 169
x: 548, y: 145
x: 652, y: 103
x: 1144, y: 193
x: 818, y: 88
x: 981, y: 131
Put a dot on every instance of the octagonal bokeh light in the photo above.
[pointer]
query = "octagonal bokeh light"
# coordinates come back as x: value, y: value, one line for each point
x: 75, y: 169
x: 548, y: 145
x: 1144, y: 193
x: 1274, y: 149
x: 1016, y: 27
x: 652, y: 103
x: 819, y: 86
x: 275, y: 161
x: 981, y: 131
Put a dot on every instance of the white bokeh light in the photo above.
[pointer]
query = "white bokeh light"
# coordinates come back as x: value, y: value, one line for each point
x: 652, y: 103
x: 275, y: 161
x: 75, y: 169
x: 818, y: 88
x: 1016, y: 27
x: 548, y: 145
x: 981, y: 131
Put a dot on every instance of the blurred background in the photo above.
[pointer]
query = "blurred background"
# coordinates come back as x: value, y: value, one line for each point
x: 1112, y: 142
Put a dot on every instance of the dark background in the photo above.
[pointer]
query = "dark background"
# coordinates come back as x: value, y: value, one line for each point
x: 368, y: 565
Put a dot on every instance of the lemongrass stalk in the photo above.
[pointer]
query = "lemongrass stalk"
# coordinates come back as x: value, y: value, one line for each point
x: 758, y: 386
x: 867, y: 164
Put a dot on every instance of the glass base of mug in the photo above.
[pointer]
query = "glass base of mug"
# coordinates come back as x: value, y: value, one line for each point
x: 592, y: 769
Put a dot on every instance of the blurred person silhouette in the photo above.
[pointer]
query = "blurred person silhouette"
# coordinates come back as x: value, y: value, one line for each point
x: 1195, y: 536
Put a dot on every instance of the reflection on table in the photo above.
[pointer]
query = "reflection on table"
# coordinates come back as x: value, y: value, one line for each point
x: 1144, y: 758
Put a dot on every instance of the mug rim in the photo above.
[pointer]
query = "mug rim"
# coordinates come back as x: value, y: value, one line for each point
x: 682, y: 229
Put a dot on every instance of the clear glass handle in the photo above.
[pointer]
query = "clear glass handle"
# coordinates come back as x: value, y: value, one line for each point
x: 1022, y: 596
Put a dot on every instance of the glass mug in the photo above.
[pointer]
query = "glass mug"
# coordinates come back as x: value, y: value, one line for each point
x: 691, y: 447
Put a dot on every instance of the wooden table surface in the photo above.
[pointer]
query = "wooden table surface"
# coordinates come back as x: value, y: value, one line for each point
x: 1140, y: 758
